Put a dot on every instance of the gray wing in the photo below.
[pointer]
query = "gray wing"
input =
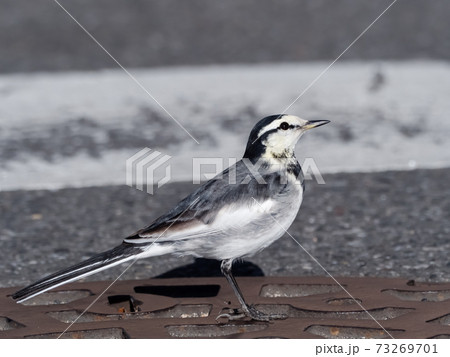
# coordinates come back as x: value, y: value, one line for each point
x: 195, y: 214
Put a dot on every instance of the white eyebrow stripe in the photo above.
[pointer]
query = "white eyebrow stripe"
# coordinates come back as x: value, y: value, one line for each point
x: 274, y: 125
x: 290, y: 119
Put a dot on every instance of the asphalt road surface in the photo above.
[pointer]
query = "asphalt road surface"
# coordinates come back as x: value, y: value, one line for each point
x: 39, y: 36
x: 386, y: 224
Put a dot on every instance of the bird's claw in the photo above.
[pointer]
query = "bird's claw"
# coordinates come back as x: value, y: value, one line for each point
x: 233, y: 314
x: 251, y: 312
x: 255, y: 314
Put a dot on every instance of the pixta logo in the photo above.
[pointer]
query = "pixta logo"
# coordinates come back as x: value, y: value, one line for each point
x: 148, y: 168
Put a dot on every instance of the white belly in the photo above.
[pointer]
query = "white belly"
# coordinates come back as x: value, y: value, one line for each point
x: 257, y: 234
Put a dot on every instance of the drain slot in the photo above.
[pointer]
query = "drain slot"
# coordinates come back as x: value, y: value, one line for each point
x: 57, y: 297
x: 385, y: 313
x: 204, y: 331
x: 110, y: 333
x: 7, y: 324
x: 297, y: 290
x: 174, y: 312
x: 133, y: 304
x: 409, y: 295
x: 179, y: 291
x: 350, y: 332
x: 443, y: 320
x: 344, y: 302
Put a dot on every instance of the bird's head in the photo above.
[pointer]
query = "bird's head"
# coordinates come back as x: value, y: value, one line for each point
x: 275, y: 136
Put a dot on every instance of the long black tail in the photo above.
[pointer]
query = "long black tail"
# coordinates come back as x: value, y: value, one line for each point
x: 93, y: 265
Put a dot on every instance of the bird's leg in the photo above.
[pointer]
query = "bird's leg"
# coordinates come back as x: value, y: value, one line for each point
x: 248, y: 310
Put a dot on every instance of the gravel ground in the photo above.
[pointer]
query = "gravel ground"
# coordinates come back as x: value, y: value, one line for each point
x: 389, y: 224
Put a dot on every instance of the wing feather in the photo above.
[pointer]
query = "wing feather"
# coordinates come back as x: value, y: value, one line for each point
x: 215, y: 206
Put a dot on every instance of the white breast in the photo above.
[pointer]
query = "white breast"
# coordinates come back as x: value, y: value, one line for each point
x: 252, y: 232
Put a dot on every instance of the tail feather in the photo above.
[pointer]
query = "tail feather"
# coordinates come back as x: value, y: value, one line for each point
x: 90, y: 266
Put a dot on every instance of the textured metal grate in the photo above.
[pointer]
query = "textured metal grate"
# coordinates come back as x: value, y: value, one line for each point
x: 187, y: 308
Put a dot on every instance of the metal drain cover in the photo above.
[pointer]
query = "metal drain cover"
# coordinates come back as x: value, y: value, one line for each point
x: 187, y: 308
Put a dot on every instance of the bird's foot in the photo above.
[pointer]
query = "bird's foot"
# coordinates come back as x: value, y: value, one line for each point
x: 257, y: 315
x: 251, y: 312
x: 232, y: 314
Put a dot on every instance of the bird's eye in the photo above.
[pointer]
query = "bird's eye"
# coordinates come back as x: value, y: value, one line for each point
x: 284, y: 126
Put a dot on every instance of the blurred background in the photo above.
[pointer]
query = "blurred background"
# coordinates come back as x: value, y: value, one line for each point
x: 70, y: 117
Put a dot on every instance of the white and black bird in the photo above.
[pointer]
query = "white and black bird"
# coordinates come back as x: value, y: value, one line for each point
x: 234, y: 215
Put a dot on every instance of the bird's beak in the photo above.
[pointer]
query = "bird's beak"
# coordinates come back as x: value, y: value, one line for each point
x: 314, y: 124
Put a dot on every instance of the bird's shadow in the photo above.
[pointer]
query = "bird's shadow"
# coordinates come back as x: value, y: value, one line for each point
x: 202, y: 267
